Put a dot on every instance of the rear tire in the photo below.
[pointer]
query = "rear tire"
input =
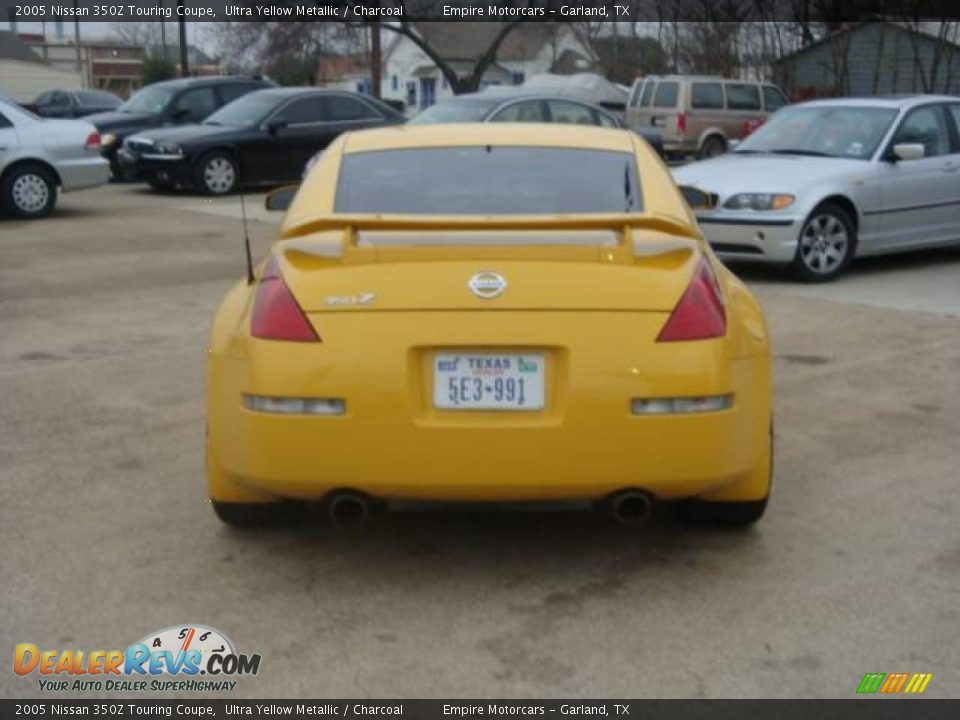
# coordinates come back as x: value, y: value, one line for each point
x: 28, y: 191
x: 723, y: 514
x: 712, y: 146
x: 733, y: 514
x: 245, y: 515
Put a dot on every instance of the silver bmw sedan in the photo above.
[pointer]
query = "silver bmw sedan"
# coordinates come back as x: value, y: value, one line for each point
x: 826, y: 181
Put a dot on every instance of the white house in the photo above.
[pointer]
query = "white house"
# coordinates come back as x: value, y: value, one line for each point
x: 530, y: 49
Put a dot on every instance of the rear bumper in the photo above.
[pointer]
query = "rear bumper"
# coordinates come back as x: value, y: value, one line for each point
x: 392, y: 443
x: 751, y: 238
x: 83, y: 173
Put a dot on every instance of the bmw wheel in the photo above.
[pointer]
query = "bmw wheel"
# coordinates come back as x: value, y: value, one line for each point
x: 826, y: 244
x: 29, y: 192
x: 216, y: 173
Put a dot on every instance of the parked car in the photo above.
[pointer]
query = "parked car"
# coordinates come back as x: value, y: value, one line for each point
x: 38, y: 156
x: 495, y: 107
x: 700, y: 115
x: 830, y: 180
x: 74, y: 103
x: 558, y: 335
x: 265, y: 137
x: 171, y: 102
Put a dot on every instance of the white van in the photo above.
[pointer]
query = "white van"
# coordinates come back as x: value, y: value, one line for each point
x: 700, y: 114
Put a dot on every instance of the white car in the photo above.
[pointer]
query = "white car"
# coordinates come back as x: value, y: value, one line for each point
x: 826, y: 181
x: 37, y: 156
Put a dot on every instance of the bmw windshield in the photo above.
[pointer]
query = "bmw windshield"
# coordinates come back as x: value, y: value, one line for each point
x: 838, y: 131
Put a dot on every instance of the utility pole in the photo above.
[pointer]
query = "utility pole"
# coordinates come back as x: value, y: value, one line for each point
x: 375, y: 59
x: 184, y: 69
x: 76, y: 40
x: 163, y: 36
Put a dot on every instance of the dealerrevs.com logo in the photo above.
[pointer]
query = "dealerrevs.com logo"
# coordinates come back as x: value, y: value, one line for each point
x: 178, y: 658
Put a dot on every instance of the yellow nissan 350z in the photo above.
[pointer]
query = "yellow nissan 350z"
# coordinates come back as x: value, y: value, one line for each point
x: 496, y: 312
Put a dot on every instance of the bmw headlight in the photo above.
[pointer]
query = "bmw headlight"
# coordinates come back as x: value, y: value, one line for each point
x: 108, y: 139
x: 168, y: 149
x: 759, y: 201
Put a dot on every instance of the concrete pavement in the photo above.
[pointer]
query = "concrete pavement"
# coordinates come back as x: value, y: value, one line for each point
x: 856, y: 568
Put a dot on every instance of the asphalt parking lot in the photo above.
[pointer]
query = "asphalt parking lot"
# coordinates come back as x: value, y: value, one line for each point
x: 104, y: 309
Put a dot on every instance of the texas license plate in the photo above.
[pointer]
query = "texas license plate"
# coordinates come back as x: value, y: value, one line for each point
x: 488, y: 381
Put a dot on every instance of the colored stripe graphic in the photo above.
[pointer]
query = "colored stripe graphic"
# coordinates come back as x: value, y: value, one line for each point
x: 918, y: 683
x: 913, y: 683
x: 871, y: 683
x: 894, y: 683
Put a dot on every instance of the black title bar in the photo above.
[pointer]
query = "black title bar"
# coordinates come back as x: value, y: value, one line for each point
x: 476, y: 10
x: 860, y: 709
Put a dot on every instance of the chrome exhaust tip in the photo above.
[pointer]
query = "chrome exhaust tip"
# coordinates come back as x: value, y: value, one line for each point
x: 348, y: 509
x: 631, y: 507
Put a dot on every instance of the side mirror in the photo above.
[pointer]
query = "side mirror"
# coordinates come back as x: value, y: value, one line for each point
x: 908, y: 151
x: 280, y: 199
x: 275, y: 125
x: 180, y: 114
x: 697, y: 199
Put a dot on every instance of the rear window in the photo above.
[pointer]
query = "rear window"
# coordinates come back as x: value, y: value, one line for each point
x: 453, y: 112
x: 488, y: 180
x: 666, y: 96
x: 741, y: 96
x: 95, y: 97
x: 706, y: 96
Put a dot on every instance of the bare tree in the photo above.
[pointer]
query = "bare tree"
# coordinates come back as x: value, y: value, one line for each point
x: 459, y: 83
x: 141, y: 34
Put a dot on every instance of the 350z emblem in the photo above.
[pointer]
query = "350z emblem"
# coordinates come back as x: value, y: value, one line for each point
x: 487, y: 285
x: 361, y: 299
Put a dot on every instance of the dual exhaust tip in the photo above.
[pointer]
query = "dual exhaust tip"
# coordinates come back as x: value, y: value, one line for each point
x: 348, y: 509
x: 631, y: 507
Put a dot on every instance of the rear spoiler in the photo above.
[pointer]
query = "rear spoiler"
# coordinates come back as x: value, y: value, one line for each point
x: 631, y: 235
x: 624, y: 223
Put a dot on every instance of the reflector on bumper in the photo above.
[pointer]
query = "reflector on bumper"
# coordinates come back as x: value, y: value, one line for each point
x: 680, y: 405
x: 294, y: 406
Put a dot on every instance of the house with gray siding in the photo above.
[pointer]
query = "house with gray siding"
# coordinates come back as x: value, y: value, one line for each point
x: 871, y: 58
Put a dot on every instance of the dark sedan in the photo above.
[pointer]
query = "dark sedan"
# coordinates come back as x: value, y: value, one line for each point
x: 263, y: 138
x: 74, y: 103
x: 171, y: 102
x: 491, y: 107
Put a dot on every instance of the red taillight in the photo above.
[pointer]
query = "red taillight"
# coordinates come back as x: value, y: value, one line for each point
x: 682, y: 122
x: 93, y: 141
x: 700, y: 313
x: 276, y: 314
